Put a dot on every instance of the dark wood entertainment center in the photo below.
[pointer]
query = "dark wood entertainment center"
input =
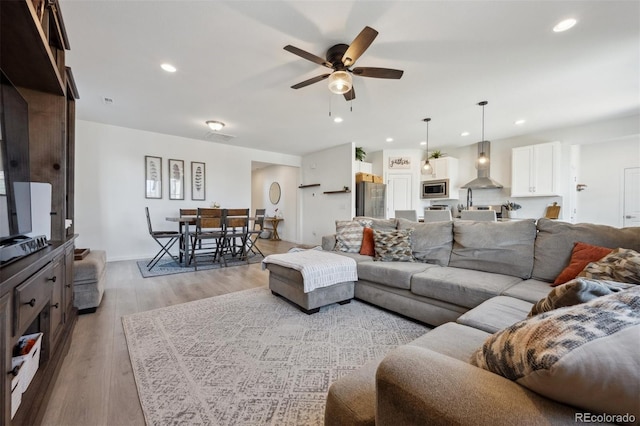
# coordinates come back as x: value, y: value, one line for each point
x: 36, y: 291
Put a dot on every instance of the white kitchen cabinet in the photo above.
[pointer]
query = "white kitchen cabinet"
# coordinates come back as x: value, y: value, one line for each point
x: 535, y: 170
x: 362, y: 167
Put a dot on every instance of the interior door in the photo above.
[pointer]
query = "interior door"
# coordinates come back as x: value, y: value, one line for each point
x: 399, y: 191
x: 631, y: 197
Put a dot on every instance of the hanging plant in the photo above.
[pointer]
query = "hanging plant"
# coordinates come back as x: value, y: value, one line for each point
x: 436, y: 153
x: 360, y: 154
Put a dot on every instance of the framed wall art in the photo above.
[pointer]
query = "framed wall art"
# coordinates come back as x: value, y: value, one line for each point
x: 198, y: 181
x: 153, y: 177
x: 176, y: 179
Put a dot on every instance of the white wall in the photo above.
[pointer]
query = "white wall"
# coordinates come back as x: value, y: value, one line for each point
x: 288, y: 178
x: 333, y: 169
x: 109, y: 184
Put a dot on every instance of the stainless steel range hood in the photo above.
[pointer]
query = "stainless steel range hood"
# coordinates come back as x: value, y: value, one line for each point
x: 483, y: 181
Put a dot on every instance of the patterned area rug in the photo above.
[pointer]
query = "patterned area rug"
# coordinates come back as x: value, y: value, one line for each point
x: 168, y: 266
x: 249, y: 357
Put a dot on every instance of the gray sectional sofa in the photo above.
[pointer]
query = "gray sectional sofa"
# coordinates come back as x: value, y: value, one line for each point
x: 470, y: 280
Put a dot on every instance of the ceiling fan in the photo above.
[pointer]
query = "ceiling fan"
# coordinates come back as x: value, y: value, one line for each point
x: 340, y: 58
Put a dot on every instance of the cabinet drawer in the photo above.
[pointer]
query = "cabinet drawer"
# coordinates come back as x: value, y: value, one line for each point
x: 31, y: 296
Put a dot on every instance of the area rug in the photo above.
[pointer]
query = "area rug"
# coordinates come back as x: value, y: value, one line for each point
x: 168, y: 266
x: 251, y: 358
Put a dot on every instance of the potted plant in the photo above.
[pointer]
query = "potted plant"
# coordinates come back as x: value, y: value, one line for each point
x: 509, y: 208
x: 360, y: 154
x: 436, y: 153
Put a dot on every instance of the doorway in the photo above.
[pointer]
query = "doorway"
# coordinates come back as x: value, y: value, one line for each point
x: 399, y: 191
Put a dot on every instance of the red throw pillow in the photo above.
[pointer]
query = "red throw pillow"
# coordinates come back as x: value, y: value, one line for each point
x: 368, y: 246
x: 581, y: 256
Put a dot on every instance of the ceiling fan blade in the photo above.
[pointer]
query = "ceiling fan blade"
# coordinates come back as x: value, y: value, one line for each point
x: 350, y: 95
x: 310, y: 81
x: 378, y: 72
x: 308, y: 56
x: 359, y: 45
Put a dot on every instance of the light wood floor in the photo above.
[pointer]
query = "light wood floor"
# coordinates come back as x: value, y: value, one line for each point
x: 96, y: 384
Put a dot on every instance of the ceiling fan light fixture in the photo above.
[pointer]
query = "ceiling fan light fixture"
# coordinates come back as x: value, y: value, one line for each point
x: 215, y: 125
x: 340, y: 82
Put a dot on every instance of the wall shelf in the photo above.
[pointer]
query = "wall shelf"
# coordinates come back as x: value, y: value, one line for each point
x: 308, y: 186
x: 342, y: 191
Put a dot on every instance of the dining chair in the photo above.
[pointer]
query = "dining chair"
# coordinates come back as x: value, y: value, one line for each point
x: 407, y: 214
x: 254, y: 234
x: 437, y: 215
x: 185, y: 212
x: 208, y: 237
x: 171, y: 237
x: 236, y: 227
x: 479, y: 215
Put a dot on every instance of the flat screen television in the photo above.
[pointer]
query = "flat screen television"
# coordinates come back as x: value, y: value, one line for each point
x: 15, y: 196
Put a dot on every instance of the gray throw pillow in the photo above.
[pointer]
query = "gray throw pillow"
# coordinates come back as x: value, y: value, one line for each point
x: 393, y: 246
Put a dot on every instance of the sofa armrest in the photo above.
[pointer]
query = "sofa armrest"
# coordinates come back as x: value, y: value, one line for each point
x: 329, y: 242
x: 417, y: 386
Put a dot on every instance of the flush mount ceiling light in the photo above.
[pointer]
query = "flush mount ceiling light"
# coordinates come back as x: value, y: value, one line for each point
x: 482, y: 163
x: 340, y: 82
x: 427, y: 169
x: 168, y: 67
x: 564, y: 25
x: 215, y: 125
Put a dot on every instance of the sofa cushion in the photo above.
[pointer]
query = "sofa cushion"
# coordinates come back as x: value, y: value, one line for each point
x: 620, y: 265
x: 451, y: 339
x: 576, y: 291
x: 581, y: 255
x: 495, y: 314
x: 528, y: 290
x: 349, y: 235
x: 380, y: 224
x: 355, y: 256
x: 430, y: 242
x: 393, y: 246
x: 585, y: 355
x: 391, y: 274
x: 555, y: 242
x: 501, y: 247
x: 463, y: 287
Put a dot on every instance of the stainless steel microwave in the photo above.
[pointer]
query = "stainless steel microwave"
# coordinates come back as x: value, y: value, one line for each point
x: 435, y: 188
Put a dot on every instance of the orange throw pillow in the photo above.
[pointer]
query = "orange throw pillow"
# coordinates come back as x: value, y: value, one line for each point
x: 581, y: 256
x: 368, y: 246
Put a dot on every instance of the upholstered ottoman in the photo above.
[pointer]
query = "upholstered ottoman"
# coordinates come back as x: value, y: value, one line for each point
x: 311, y: 279
x: 88, y: 281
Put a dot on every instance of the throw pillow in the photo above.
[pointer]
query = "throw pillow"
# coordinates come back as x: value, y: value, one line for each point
x: 620, y: 265
x: 584, y: 355
x: 368, y: 245
x: 349, y: 235
x: 393, y: 245
x: 581, y: 255
x: 576, y: 291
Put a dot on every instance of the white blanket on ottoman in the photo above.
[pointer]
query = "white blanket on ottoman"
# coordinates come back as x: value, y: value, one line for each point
x: 318, y: 268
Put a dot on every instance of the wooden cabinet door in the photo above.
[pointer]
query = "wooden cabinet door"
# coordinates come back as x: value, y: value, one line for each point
x: 56, y: 306
x: 5, y: 359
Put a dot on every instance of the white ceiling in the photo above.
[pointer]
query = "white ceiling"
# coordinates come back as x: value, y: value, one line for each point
x: 232, y: 68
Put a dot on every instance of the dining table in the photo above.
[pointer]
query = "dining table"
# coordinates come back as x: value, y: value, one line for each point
x: 185, y: 223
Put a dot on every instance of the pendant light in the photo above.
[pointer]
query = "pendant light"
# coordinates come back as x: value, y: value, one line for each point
x: 427, y: 169
x: 482, y: 162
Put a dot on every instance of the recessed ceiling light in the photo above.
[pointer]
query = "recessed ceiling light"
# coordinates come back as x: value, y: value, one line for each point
x: 423, y: 143
x: 564, y: 25
x: 168, y: 67
x: 389, y: 139
x: 464, y: 134
x: 519, y: 122
x: 337, y: 120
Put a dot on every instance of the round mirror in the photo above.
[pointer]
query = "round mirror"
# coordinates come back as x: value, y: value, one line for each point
x: 274, y: 193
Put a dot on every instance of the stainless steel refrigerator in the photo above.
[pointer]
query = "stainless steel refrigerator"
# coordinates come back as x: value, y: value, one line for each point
x: 371, y: 199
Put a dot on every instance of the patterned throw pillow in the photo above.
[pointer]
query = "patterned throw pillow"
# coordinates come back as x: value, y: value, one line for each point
x: 576, y: 291
x: 581, y: 255
x: 349, y: 235
x: 621, y: 265
x: 584, y: 355
x: 393, y: 245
